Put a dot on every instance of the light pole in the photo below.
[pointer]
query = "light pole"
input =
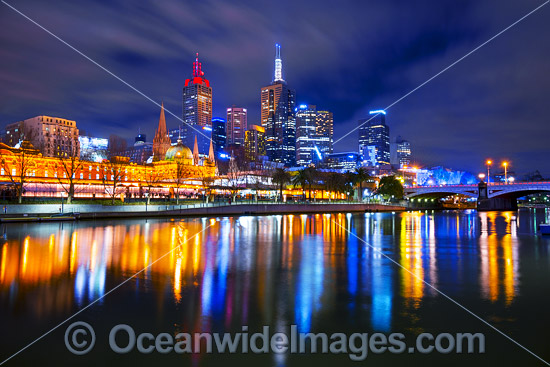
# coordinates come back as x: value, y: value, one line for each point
x: 481, y: 176
x: 489, y: 162
x: 505, y: 164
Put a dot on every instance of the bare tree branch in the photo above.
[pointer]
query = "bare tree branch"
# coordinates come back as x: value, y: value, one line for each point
x: 71, y: 166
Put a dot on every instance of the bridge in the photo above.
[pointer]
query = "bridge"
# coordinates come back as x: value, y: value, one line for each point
x: 493, y: 196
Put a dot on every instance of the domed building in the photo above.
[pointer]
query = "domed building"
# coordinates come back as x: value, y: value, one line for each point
x: 179, y: 152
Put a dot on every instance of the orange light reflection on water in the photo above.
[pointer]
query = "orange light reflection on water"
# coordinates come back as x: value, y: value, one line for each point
x: 411, y: 258
x: 499, y: 257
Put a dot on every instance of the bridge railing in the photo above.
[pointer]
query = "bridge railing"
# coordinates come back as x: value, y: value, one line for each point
x: 475, y: 185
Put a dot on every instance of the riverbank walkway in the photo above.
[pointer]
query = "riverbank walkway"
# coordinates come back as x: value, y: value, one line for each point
x: 54, y: 212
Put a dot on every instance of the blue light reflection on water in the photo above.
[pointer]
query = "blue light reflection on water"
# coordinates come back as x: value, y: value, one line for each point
x: 309, y: 287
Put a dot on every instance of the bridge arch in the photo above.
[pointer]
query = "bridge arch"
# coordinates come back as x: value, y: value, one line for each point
x: 495, y: 196
x: 516, y: 191
x: 441, y: 191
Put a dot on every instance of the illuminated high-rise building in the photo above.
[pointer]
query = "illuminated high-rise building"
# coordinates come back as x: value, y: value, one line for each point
x: 400, y: 152
x: 278, y: 103
x: 219, y: 135
x: 197, y: 98
x: 313, y: 139
x: 197, y: 109
x: 325, y: 128
x: 254, y: 143
x: 374, y: 133
x: 52, y: 136
x: 306, y: 133
x: 236, y: 125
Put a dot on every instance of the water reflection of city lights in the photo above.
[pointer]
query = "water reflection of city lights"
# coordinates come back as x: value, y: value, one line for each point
x: 247, y: 263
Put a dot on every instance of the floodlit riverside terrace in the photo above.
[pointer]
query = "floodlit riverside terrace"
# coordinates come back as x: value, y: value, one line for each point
x: 179, y: 172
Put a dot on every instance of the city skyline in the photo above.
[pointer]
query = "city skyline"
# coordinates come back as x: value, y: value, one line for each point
x: 437, y: 140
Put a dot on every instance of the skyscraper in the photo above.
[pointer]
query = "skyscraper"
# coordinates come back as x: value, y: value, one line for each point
x: 363, y: 132
x: 197, y: 109
x: 375, y: 133
x: 219, y: 135
x: 313, y: 134
x: 254, y: 143
x: 400, y: 152
x: 236, y: 125
x: 325, y: 128
x: 278, y: 104
x: 161, y: 141
x: 197, y: 98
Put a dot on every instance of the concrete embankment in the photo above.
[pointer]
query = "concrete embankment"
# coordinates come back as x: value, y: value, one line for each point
x: 19, y: 213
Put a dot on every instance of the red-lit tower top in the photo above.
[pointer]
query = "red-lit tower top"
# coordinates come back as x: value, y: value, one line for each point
x: 197, y: 67
x: 197, y: 74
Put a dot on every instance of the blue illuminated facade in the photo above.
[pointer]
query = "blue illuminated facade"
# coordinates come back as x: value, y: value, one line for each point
x: 219, y: 135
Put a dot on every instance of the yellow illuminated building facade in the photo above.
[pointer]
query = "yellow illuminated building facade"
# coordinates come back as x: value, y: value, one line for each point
x: 48, y: 176
x: 52, y: 136
x: 254, y: 143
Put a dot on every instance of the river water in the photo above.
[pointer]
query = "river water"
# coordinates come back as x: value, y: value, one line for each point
x: 323, y: 273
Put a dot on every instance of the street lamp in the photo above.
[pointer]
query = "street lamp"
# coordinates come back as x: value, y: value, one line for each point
x: 505, y: 164
x: 488, y: 163
x: 481, y: 176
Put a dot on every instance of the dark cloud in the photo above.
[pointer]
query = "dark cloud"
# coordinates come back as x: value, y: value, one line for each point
x: 346, y: 56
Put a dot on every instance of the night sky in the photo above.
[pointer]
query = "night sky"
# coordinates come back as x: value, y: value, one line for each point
x: 344, y: 56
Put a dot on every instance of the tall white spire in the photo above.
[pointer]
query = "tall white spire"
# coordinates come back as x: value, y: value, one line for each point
x: 278, y: 77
